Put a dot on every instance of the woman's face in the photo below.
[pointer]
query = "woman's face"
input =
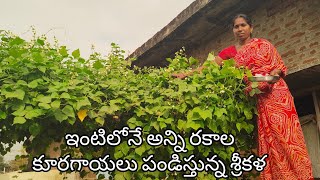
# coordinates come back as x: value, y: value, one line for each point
x: 241, y: 29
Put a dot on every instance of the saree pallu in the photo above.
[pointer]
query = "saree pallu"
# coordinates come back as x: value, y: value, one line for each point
x: 279, y: 130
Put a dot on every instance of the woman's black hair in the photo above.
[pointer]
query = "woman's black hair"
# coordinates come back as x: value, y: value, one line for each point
x: 244, y: 16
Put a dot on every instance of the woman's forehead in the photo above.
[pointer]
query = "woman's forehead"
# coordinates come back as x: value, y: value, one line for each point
x: 239, y: 20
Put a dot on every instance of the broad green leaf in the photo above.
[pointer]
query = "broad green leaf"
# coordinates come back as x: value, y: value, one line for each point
x: 19, y: 94
x: 162, y: 125
x: 140, y: 150
x: 19, y: 120
x: 42, y: 69
x: 44, y: 105
x: 249, y: 128
x: 55, y: 104
x: 118, y: 155
x: 44, y: 99
x: 248, y: 113
x: 18, y: 105
x: 76, y: 53
x: 34, y: 113
x: 63, y: 51
x: 98, y: 65
x: 33, y: 84
x: 16, y: 41
x: 239, y: 126
x: 71, y: 120
x: 54, y: 95
x: 119, y: 176
x: 22, y: 82
x: 254, y: 84
x: 34, y: 129
x: 83, y: 102
x: 194, y: 125
x: 68, y: 110
x: 219, y: 112
x: 65, y: 96
x: 40, y: 41
x: 20, y: 112
x: 210, y: 57
x: 59, y: 115
x: 155, y: 125
x: 206, y: 114
x: 99, y: 120
x: 181, y: 124
x: 213, y: 125
x: 3, y: 115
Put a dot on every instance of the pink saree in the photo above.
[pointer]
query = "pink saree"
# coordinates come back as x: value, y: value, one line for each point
x: 279, y: 131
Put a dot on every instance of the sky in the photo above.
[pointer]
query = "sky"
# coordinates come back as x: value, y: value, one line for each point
x: 83, y: 23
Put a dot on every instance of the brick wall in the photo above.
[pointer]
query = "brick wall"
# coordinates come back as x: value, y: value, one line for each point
x: 293, y: 26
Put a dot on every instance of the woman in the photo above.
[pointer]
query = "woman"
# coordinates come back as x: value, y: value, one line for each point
x: 279, y: 131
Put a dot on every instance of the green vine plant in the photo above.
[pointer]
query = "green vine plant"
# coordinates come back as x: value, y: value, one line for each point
x: 47, y: 92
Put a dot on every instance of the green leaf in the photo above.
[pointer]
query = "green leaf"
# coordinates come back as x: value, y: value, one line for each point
x: 34, y: 129
x: 20, y: 112
x: 213, y: 126
x: 16, y: 41
x: 254, y: 85
x: 83, y: 102
x: 155, y: 125
x: 3, y: 115
x: 33, y: 84
x: 44, y: 99
x: 68, y: 110
x: 99, y: 120
x: 162, y: 125
x: 40, y: 41
x: 54, y: 95
x: 239, y: 126
x: 229, y: 63
x: 206, y: 114
x: 140, y: 150
x: 22, y: 82
x: 119, y: 176
x: 55, y: 104
x: 181, y: 124
x: 65, y: 96
x: 219, y: 112
x: 59, y: 115
x: 248, y: 113
x: 44, y: 105
x: 249, y: 128
x: 42, y: 69
x: 19, y: 94
x: 76, y: 53
x: 194, y: 125
x: 118, y: 155
x: 19, y: 120
x: 63, y: 51
x: 210, y: 57
x: 98, y: 65
x: 34, y: 113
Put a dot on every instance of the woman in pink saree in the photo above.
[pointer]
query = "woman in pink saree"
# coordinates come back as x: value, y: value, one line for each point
x: 279, y: 131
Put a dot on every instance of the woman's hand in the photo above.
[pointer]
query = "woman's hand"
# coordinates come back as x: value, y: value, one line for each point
x: 179, y: 75
x: 276, y: 72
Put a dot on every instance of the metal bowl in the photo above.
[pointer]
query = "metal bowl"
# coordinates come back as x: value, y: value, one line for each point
x: 271, y: 79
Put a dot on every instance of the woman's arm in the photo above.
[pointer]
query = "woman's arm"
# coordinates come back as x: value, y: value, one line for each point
x: 217, y: 59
